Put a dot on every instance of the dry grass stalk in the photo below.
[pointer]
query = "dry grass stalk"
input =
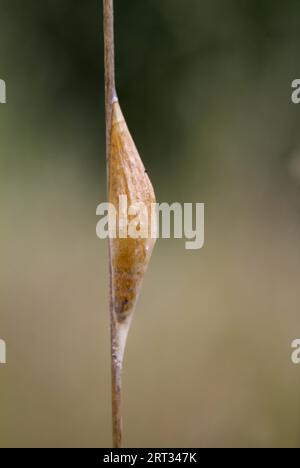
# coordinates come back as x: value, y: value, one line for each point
x: 128, y: 257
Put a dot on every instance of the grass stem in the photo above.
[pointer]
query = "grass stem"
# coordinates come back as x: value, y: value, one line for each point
x: 110, y: 97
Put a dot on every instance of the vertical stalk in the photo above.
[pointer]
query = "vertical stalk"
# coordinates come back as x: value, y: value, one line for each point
x: 109, y: 64
x: 110, y: 97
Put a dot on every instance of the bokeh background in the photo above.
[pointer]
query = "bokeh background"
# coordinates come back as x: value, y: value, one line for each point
x: 206, y: 90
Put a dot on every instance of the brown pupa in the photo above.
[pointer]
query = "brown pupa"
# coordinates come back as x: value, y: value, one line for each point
x: 129, y: 256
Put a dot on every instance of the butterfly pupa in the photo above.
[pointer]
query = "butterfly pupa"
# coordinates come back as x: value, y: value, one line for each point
x: 130, y: 255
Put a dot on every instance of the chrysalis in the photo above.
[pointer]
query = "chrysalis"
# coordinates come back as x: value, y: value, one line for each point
x: 129, y: 256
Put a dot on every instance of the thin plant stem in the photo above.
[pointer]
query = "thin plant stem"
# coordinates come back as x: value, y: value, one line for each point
x: 110, y: 97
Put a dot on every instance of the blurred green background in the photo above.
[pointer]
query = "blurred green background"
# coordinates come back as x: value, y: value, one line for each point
x: 206, y: 90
